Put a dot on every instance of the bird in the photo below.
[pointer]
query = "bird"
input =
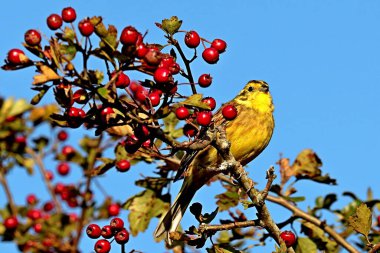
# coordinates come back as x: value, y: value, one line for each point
x: 249, y: 134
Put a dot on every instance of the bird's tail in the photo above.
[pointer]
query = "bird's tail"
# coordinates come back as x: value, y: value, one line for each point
x: 173, y: 217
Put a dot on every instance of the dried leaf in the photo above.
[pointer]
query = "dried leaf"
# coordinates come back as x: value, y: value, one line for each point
x: 361, y: 220
x: 305, y: 245
x: 47, y: 74
x: 230, y: 198
x: 222, y: 248
x: 196, y: 101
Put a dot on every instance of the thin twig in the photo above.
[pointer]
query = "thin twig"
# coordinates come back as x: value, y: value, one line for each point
x: 238, y: 224
x: 8, y: 193
x: 375, y: 248
x: 303, y: 215
x: 38, y: 159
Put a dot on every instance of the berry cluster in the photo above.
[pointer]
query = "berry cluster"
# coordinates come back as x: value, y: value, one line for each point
x: 115, y: 230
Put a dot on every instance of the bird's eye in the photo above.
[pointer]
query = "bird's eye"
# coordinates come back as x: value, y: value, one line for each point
x: 250, y: 88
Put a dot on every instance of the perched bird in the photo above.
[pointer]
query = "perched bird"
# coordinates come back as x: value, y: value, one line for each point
x: 249, y: 133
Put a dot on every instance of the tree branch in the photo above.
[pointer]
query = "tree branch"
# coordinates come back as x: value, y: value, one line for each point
x: 238, y: 224
x: 8, y: 193
x: 303, y: 215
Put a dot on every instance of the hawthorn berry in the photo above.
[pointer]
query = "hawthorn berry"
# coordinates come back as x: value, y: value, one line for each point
x: 102, y: 246
x: 80, y: 96
x: 378, y: 220
x: 62, y: 135
x: 141, y: 94
x: 37, y: 227
x: 288, y: 237
x: 204, y: 118
x: 141, y: 51
x: 166, y: 62
x: 21, y: 139
x: 116, y: 224
x: 32, y: 37
x: 113, y: 209
x: 182, y: 112
x: 122, y: 81
x: 74, y: 112
x: 229, y: 112
x: 54, y: 21
x: 210, y: 55
x: 154, y: 98
x: 93, y: 231
x: 123, y: 165
x: 34, y: 214
x: 10, y: 223
x: 189, y: 130
x: 129, y: 36
x: 16, y: 57
x: 48, y: 206
x: 135, y: 86
x: 210, y: 102
x: 68, y: 150
x: 86, y: 28
x: 31, y: 199
x: 122, y: 237
x: 106, y: 112
x: 63, y: 169
x: 69, y: 14
x: 59, y: 188
x: 219, y: 45
x: 192, y: 39
x: 205, y: 80
x: 162, y: 75
x: 49, y: 175
x: 107, y: 232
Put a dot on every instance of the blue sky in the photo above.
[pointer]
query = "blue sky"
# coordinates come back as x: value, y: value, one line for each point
x: 320, y: 58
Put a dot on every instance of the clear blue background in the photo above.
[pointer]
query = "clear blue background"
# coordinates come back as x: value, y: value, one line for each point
x: 321, y: 59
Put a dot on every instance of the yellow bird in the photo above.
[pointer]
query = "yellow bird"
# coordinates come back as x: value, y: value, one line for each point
x: 249, y: 133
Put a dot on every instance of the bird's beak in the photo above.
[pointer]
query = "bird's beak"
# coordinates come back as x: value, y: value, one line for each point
x: 264, y: 88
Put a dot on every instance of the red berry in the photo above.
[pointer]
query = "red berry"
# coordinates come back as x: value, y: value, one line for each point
x: 189, y: 130
x: 11, y: 223
x: 162, y: 75
x: 192, y: 39
x: 204, y: 118
x: 93, y: 231
x: 117, y: 224
x: 210, y: 102
x: 229, y: 112
x: 63, y: 169
x: 32, y: 37
x: 68, y: 150
x: 129, y: 36
x: 102, y: 246
x: 378, y: 221
x: 174, y: 68
x: 210, y: 55
x: 59, y: 188
x: 34, y: 214
x: 48, y: 206
x: 21, y: 139
x: 62, y: 135
x: 54, y: 21
x: 154, y: 98
x: 219, y: 45
x: 141, y: 51
x: 122, y: 81
x: 122, y: 237
x: 106, y: 111
x: 17, y: 57
x: 182, y: 112
x: 123, y: 165
x: 288, y: 237
x: 135, y: 86
x: 141, y: 95
x: 85, y: 27
x: 106, y: 232
x: 166, y: 62
x: 205, y: 80
x: 74, y: 112
x: 37, y: 227
x: 49, y: 175
x: 69, y: 15
x: 80, y: 96
x: 113, y: 209
x: 73, y: 217
x: 31, y: 199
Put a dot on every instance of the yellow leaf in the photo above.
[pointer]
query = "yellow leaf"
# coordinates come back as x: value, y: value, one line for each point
x: 47, y: 74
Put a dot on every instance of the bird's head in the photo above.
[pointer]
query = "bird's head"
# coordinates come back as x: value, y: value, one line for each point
x: 256, y: 95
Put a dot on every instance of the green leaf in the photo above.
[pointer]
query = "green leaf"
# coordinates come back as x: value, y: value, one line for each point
x: 361, y: 220
x: 142, y: 208
x: 222, y: 248
x: 37, y: 98
x: 228, y: 199
x: 305, y: 245
x: 172, y: 25
x: 68, y: 52
x: 11, y: 107
x: 196, y: 101
x: 106, y: 165
x: 318, y: 236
